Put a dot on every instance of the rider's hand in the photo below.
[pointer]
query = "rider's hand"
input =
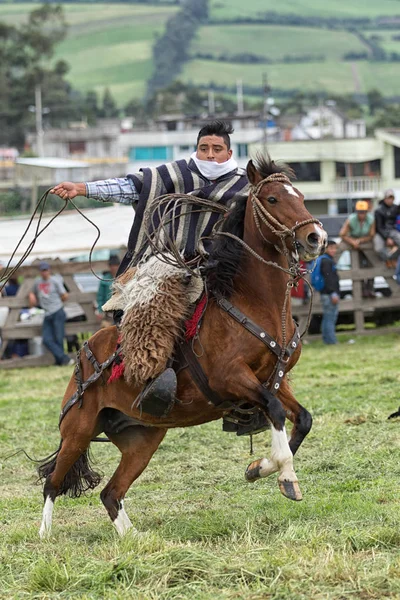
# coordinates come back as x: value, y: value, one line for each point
x: 67, y: 190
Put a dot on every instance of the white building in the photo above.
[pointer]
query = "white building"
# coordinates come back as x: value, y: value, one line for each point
x: 334, y: 173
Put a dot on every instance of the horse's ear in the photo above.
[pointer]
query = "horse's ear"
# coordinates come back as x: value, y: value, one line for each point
x: 252, y: 174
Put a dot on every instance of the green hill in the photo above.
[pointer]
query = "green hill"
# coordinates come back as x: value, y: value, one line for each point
x: 309, y: 45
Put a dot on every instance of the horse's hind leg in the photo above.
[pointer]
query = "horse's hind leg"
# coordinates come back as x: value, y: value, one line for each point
x: 68, y: 473
x: 137, y: 445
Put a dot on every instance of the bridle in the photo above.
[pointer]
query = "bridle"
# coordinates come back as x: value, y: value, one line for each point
x: 294, y: 269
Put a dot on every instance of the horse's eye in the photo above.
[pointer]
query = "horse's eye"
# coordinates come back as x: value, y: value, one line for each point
x: 272, y: 200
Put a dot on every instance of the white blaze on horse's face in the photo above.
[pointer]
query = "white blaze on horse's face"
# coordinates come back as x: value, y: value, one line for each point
x: 291, y: 190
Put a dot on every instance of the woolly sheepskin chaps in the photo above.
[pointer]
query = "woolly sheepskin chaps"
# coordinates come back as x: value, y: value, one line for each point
x: 156, y: 302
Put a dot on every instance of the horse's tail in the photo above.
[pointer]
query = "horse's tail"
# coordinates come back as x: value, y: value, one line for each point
x: 79, y: 479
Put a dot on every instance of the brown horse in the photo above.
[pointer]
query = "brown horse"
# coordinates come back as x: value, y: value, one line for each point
x: 256, y: 257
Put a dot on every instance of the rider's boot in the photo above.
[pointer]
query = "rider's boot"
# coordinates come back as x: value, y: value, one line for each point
x: 158, y: 396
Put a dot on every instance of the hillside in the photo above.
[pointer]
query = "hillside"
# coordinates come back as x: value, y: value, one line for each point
x: 308, y: 45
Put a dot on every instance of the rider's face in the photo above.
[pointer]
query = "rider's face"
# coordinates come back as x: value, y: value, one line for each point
x: 213, y: 148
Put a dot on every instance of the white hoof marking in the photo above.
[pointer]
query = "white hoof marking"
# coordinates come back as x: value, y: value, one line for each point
x: 122, y: 523
x: 45, y: 527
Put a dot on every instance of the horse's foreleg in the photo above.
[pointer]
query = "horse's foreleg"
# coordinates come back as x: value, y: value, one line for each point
x: 297, y: 414
x: 137, y: 445
x: 287, y: 479
x: 246, y: 386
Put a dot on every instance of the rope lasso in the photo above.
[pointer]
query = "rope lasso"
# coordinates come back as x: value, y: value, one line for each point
x: 161, y: 233
x: 39, y: 208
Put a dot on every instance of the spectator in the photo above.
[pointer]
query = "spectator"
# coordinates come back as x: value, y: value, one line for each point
x: 15, y: 348
x: 330, y: 294
x: 50, y: 294
x: 105, y: 291
x: 387, y: 237
x: 358, y: 230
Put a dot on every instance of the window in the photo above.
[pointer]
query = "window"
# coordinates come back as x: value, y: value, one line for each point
x: 397, y: 163
x: 151, y: 153
x: 188, y: 149
x: 242, y: 150
x: 370, y: 168
x: 77, y: 147
x: 307, y: 171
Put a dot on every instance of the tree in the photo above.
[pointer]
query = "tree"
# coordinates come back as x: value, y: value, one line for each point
x: 110, y: 109
x: 389, y: 117
x: 24, y: 63
x: 375, y: 101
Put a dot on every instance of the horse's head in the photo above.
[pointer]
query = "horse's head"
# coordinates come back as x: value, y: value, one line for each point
x: 279, y: 211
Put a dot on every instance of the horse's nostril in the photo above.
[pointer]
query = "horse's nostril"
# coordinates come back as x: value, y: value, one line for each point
x: 313, y: 239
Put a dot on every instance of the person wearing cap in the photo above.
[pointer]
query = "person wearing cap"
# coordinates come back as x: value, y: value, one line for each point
x: 49, y: 293
x: 387, y: 237
x: 358, y: 230
x: 104, y: 291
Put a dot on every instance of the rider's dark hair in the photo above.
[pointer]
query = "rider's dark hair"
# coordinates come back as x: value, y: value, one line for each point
x: 219, y: 128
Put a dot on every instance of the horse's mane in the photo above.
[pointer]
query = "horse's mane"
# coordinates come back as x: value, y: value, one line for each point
x: 226, y: 253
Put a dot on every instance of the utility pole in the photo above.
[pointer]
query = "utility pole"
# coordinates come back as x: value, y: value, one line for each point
x: 211, y: 102
x: 239, y: 97
x: 39, y: 120
x: 266, y: 90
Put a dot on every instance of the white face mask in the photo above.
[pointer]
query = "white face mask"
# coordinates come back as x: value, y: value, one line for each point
x: 213, y: 170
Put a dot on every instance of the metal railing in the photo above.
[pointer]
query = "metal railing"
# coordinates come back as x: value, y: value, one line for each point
x: 356, y: 185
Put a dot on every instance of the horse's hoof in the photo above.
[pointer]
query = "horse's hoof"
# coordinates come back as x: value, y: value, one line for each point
x: 291, y: 490
x: 253, y: 471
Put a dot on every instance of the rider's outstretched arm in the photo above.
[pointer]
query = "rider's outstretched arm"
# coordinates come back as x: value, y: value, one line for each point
x: 119, y: 189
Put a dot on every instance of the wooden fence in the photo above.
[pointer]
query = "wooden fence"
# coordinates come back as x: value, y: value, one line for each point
x: 15, y: 329
x: 362, y: 308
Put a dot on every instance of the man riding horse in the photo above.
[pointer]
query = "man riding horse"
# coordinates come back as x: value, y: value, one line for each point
x: 211, y: 174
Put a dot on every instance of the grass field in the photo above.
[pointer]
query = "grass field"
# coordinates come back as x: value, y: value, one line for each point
x: 332, y: 77
x: 230, y: 9
x: 308, y: 76
x: 274, y: 42
x: 203, y: 533
x: 108, y: 45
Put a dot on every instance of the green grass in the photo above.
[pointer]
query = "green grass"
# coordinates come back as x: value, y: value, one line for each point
x: 230, y: 9
x: 107, y: 45
x: 385, y: 39
x: 315, y: 77
x: 110, y: 45
x: 203, y: 533
x: 274, y: 42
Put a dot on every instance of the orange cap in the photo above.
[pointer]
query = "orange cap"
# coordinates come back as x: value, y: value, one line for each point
x: 362, y: 205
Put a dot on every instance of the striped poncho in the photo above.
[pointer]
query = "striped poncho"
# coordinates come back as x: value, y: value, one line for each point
x: 180, y: 177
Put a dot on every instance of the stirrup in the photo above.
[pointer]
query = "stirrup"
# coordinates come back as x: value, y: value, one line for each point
x: 159, y: 395
x: 254, y: 423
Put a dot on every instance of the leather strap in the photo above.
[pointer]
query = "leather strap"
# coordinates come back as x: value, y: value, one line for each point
x: 264, y: 337
x: 94, y: 377
x: 200, y: 378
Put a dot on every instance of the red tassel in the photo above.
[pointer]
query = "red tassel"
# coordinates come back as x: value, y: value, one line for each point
x: 117, y: 372
x: 192, y: 323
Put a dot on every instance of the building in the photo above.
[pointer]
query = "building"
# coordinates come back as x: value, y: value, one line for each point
x: 326, y: 121
x: 174, y: 137
x: 334, y: 173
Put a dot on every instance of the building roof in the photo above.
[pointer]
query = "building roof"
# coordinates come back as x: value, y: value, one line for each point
x: 52, y: 163
x: 69, y: 235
